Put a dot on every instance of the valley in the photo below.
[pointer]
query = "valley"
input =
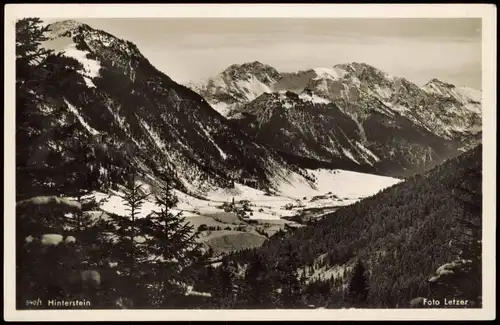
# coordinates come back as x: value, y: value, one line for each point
x: 257, y: 215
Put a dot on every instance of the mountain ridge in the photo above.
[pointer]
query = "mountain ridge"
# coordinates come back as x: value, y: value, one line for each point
x: 318, y: 80
x: 448, y: 116
x: 117, y: 96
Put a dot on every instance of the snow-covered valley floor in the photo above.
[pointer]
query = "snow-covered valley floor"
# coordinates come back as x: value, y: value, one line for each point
x: 333, y: 188
x: 268, y: 212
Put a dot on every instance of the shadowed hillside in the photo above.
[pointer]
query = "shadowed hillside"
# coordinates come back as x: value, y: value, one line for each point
x: 403, y: 234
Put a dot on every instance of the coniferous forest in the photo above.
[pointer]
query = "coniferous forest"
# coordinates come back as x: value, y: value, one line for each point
x: 402, y: 237
x: 418, y: 239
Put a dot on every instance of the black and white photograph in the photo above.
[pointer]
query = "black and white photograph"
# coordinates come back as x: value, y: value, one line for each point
x: 205, y: 163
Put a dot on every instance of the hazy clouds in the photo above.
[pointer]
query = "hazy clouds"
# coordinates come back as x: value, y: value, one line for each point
x: 418, y: 49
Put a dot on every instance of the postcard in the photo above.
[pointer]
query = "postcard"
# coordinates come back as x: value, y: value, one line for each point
x: 250, y: 162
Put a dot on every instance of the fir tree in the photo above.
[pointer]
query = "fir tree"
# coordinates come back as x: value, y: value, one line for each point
x: 224, y: 287
x: 29, y: 36
x: 289, y: 279
x: 172, y: 243
x: 42, y: 266
x: 39, y: 73
x: 258, y: 291
x: 129, y: 247
x: 358, y: 288
x: 30, y: 59
x: 45, y: 270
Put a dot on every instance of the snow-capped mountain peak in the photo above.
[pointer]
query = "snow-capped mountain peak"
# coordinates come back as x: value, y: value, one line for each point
x: 262, y: 72
x: 463, y: 94
x: 370, y: 98
x: 438, y: 83
x: 439, y: 107
x: 257, y: 68
x: 237, y: 85
x: 334, y: 73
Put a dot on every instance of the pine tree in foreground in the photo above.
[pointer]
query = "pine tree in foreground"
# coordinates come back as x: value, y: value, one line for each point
x: 30, y: 60
x: 174, y: 253
x: 128, y: 249
x: 358, y: 289
x: 30, y: 33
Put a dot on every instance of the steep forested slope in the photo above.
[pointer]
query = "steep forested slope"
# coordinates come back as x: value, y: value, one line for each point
x: 402, y: 233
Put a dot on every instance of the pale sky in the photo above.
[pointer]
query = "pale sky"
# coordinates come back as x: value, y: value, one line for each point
x: 189, y: 49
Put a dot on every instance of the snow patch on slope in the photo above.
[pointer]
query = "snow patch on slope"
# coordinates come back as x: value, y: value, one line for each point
x: 367, y: 151
x: 329, y: 73
x: 327, y: 272
x: 313, y: 98
x: 209, y: 137
x: 222, y: 108
x: 91, y: 67
x: 73, y: 110
x: 470, y: 93
x: 349, y: 155
x: 384, y: 93
x: 156, y: 138
x: 398, y: 108
x: 252, y: 88
x: 115, y: 204
x: 464, y: 94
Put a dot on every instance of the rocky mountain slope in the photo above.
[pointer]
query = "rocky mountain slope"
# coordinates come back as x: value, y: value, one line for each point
x: 388, y: 123
x: 237, y: 85
x: 118, y: 99
x: 295, y: 125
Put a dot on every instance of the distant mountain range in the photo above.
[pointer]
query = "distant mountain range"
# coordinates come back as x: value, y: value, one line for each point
x: 351, y: 115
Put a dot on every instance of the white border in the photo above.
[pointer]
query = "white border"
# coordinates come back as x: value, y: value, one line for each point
x: 61, y: 11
